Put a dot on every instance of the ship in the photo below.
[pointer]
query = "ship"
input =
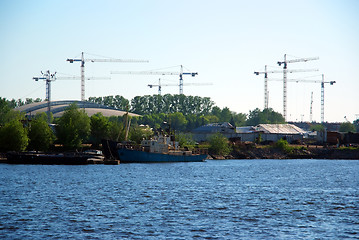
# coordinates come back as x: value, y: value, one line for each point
x: 47, y: 158
x: 159, y: 149
x: 67, y: 158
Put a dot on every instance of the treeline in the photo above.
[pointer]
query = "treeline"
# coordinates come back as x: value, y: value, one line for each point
x: 184, y: 112
x: 74, y: 128
x: 159, y: 104
x: 19, y: 102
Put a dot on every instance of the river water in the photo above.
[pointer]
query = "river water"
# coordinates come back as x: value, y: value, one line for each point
x: 226, y: 199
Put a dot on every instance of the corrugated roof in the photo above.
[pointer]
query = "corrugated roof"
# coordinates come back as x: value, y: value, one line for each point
x: 280, y: 128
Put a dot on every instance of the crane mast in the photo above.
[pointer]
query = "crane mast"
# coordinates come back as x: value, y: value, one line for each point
x: 311, y: 108
x: 322, y: 97
x: 322, y: 83
x: 266, y: 84
x: 285, y: 71
x: 266, y: 92
x: 48, y: 77
x: 83, y: 60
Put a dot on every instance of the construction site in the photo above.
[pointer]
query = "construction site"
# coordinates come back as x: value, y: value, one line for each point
x: 56, y: 108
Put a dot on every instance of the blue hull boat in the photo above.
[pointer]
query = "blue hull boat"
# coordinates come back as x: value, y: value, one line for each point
x: 136, y: 156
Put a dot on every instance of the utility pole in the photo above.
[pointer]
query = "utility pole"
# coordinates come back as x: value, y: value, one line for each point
x: 83, y: 60
x: 285, y: 71
x: 48, y: 77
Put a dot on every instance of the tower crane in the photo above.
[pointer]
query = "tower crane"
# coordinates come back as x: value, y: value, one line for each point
x: 159, y: 85
x: 311, y: 108
x: 266, y: 98
x: 180, y: 74
x: 285, y: 70
x: 48, y: 77
x: 322, y: 83
x: 266, y: 83
x: 83, y: 60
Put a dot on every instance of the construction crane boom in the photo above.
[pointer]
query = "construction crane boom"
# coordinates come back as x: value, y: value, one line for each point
x: 285, y: 71
x: 180, y: 74
x: 159, y: 85
x: 83, y: 60
x: 79, y: 78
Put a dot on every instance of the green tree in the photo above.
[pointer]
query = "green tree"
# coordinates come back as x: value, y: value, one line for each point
x: 73, y: 127
x: 100, y: 128
x: 219, y: 144
x: 225, y: 115
x: 347, y: 127
x: 137, y: 133
x: 216, y: 111
x: 356, y: 124
x: 317, y: 127
x: 238, y: 119
x: 116, y: 130
x: 185, y: 140
x: 268, y: 115
x: 4, y: 110
x: 283, y: 145
x: 40, y: 134
x: 178, y: 121
x: 13, y: 136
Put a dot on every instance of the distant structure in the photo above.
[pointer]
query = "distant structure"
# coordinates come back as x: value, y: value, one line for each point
x: 266, y: 83
x: 58, y: 108
x: 180, y: 74
x: 265, y: 132
x: 48, y: 77
x: 159, y: 85
x: 266, y: 79
x: 285, y: 71
x: 83, y: 60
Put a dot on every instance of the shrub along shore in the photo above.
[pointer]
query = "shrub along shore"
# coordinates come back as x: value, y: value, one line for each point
x: 287, y: 151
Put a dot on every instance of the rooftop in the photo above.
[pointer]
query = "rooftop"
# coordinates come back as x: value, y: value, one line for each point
x: 58, y: 108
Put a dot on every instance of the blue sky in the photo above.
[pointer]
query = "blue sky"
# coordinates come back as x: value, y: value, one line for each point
x: 224, y: 41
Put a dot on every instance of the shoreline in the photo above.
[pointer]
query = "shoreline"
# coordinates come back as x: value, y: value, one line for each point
x: 251, y: 151
x: 265, y: 152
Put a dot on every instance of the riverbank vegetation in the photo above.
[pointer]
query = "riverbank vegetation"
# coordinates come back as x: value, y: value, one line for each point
x: 182, y: 113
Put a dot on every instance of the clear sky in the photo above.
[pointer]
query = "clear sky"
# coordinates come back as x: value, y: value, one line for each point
x: 224, y: 41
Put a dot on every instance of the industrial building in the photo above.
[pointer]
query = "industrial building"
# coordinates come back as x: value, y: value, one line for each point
x: 267, y: 132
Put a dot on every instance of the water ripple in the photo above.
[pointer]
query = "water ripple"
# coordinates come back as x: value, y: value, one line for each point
x: 234, y: 199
